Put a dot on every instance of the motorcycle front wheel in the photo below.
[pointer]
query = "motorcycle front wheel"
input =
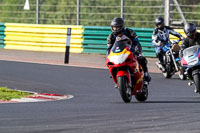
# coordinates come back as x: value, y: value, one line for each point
x: 167, y: 74
x: 196, y: 78
x: 124, y: 90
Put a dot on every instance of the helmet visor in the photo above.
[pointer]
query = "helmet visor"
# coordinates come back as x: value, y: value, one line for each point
x: 160, y: 26
x: 191, y: 33
x: 115, y: 28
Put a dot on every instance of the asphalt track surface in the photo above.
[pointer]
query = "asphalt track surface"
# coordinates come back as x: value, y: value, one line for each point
x: 172, y: 106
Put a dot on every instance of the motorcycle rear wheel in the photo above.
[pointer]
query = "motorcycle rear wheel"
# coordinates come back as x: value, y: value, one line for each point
x: 123, y: 89
x: 143, y: 95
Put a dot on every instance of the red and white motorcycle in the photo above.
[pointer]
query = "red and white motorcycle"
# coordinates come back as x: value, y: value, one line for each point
x: 127, y: 72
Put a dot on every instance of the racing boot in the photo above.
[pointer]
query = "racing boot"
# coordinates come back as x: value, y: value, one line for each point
x: 116, y: 86
x: 147, y: 77
x: 196, y: 90
x: 161, y: 66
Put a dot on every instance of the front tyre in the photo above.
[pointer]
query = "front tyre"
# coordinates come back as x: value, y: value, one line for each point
x: 125, y: 92
x: 196, y: 78
x: 167, y: 74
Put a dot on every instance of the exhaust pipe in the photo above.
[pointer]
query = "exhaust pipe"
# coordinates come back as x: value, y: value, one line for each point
x: 159, y: 65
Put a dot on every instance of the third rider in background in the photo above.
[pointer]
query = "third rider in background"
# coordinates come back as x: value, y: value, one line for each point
x: 192, y: 36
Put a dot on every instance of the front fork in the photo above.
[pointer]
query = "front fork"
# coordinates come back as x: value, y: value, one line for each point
x: 138, y: 85
x: 173, y: 59
x: 125, y: 73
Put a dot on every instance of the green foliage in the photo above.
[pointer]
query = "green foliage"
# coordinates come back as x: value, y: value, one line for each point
x: 13, y: 11
x: 58, y: 12
x: 142, y: 11
x: 92, y: 12
x: 8, y: 94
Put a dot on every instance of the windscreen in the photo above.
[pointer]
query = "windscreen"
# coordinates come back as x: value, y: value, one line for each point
x: 191, y: 50
x: 119, y: 46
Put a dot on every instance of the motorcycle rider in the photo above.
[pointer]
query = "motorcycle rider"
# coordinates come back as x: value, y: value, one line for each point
x: 192, y: 38
x: 119, y: 31
x: 160, y: 38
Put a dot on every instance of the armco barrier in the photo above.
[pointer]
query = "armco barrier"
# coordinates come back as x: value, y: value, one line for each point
x: 36, y: 37
x: 181, y: 31
x: 2, y: 35
x: 95, y: 39
x: 87, y: 39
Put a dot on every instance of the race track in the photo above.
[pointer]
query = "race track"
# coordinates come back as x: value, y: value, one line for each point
x: 172, y: 106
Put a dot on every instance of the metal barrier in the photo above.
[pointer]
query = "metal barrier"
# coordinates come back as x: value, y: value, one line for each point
x: 2, y: 35
x: 95, y: 39
x: 84, y: 39
x: 36, y: 37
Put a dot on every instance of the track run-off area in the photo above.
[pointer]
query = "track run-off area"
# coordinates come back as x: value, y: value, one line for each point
x: 172, y: 106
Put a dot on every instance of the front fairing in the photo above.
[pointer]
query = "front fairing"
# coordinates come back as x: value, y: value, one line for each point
x: 119, y: 53
x: 120, y: 58
x: 191, y: 56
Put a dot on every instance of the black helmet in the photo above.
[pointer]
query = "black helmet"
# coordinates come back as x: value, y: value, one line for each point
x: 159, y: 22
x: 117, y: 22
x: 190, y: 30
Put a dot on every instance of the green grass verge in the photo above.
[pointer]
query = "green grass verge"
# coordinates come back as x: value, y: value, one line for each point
x: 8, y: 94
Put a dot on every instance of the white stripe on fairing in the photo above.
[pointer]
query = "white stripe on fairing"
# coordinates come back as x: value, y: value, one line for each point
x: 118, y: 59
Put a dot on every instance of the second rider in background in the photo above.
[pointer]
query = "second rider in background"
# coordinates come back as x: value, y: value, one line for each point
x: 160, y: 38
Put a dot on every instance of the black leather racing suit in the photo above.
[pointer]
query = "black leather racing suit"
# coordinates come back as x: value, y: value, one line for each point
x: 187, y: 42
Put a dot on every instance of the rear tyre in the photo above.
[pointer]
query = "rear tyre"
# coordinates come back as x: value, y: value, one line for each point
x: 125, y: 92
x: 143, y: 95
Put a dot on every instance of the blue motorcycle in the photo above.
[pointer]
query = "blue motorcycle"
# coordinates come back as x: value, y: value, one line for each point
x: 191, y: 64
x: 171, y: 60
